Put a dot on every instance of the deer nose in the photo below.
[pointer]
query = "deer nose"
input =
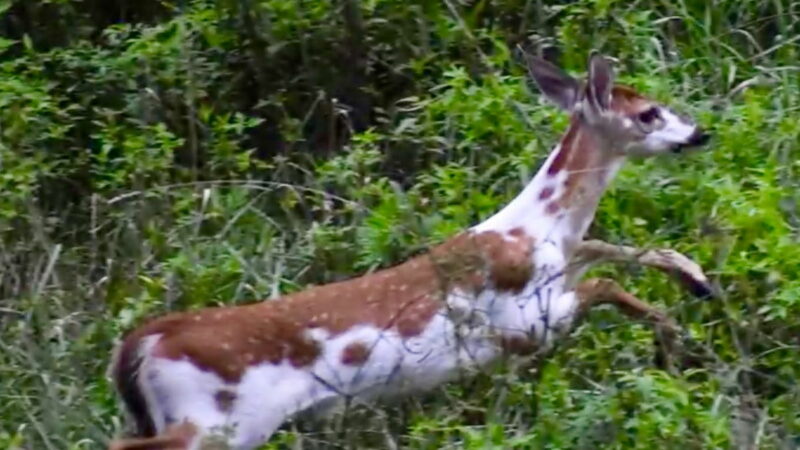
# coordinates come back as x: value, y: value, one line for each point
x: 698, y: 138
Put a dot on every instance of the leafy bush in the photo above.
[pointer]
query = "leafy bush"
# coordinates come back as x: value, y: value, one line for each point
x: 157, y: 157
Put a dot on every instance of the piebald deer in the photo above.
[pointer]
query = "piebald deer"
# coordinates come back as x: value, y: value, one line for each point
x: 509, y: 285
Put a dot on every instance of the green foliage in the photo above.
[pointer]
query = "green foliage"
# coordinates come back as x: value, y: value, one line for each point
x: 164, y: 156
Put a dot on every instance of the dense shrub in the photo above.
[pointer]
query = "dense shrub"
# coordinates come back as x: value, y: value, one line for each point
x: 166, y: 155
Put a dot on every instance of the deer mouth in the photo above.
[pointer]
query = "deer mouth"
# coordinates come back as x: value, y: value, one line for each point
x: 697, y: 139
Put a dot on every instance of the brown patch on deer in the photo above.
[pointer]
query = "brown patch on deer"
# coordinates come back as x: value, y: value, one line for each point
x: 518, y: 345
x: 625, y: 100
x: 552, y: 208
x: 585, y: 170
x: 511, y: 265
x: 227, y: 341
x: 546, y: 193
x: 403, y: 299
x: 224, y: 400
x: 412, y: 322
x: 519, y: 233
x: 577, y: 155
x: 565, y: 148
x: 355, y: 354
x: 474, y: 260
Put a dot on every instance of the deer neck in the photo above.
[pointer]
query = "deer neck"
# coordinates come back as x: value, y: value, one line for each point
x: 559, y: 203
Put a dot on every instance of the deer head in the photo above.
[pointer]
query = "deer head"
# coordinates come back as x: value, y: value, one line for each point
x: 635, y: 124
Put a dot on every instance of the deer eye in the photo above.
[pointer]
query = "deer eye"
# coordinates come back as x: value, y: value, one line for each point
x: 649, y: 116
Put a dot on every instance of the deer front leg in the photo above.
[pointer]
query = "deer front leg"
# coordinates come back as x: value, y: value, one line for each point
x: 597, y: 291
x: 593, y: 252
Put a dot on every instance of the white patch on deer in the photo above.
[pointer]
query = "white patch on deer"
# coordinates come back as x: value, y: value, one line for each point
x: 184, y: 392
x: 674, y: 131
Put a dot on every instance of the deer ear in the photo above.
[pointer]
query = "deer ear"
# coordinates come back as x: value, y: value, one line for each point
x: 601, y: 81
x: 555, y: 84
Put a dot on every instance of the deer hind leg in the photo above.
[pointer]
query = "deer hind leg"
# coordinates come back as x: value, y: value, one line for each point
x: 238, y: 435
x: 195, y: 409
x: 175, y: 437
x: 597, y: 291
x: 689, y: 273
x: 188, y: 436
x: 183, y: 436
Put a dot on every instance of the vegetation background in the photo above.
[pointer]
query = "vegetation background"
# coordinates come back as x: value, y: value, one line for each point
x: 165, y: 155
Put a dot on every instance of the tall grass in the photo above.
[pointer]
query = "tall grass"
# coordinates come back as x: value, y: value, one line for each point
x: 224, y: 152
